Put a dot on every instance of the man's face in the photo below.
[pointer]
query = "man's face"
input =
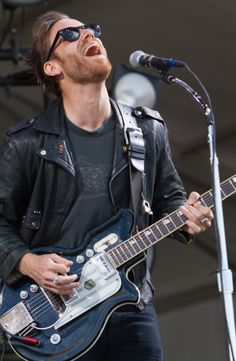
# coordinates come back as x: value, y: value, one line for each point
x: 82, y: 61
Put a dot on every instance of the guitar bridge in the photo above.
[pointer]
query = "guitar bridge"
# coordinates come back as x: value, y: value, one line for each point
x: 99, y: 280
x: 16, y: 319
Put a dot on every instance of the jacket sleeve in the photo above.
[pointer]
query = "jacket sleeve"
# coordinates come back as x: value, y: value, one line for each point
x: 13, y: 191
x: 169, y: 192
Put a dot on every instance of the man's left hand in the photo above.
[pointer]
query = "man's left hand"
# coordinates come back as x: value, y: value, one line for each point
x: 199, y: 217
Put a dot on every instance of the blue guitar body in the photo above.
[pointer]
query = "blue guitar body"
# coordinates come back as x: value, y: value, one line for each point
x: 65, y: 328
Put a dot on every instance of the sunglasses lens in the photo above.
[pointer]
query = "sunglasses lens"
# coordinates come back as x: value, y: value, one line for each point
x: 73, y: 34
x: 96, y: 30
x: 70, y: 34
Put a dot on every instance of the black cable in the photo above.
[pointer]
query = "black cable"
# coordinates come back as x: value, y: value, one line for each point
x: 203, y: 88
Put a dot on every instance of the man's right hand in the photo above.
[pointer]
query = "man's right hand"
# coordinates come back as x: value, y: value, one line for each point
x: 49, y: 271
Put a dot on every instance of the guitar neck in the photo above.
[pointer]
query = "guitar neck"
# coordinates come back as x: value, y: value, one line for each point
x: 143, y: 240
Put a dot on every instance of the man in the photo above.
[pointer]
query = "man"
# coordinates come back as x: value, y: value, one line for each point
x: 65, y: 172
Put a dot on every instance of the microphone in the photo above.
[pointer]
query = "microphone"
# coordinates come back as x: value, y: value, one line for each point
x: 139, y: 58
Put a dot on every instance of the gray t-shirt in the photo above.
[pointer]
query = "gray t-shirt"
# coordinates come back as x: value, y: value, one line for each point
x: 93, y: 155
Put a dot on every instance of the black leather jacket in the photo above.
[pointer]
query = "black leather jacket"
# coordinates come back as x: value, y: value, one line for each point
x: 38, y: 180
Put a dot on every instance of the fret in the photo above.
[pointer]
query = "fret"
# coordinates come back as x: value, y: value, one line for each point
x: 125, y: 245
x: 228, y: 187
x: 169, y: 224
x: 149, y: 233
x: 156, y: 231
x: 158, y: 226
x: 132, y: 250
x: 179, y: 219
x: 222, y: 193
x: 118, y: 255
x: 140, y: 242
x: 205, y: 202
x: 210, y: 199
x: 135, y: 245
x: 122, y: 253
x: 147, y: 242
x: 119, y: 259
x: 163, y: 228
x: 233, y: 180
x: 232, y: 184
x: 145, y: 238
x: 173, y: 223
x: 114, y: 257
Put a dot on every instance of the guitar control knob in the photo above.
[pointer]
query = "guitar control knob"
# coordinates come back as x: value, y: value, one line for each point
x: 55, y: 339
x: 89, y: 252
x: 24, y: 295
x: 80, y: 259
x: 34, y: 288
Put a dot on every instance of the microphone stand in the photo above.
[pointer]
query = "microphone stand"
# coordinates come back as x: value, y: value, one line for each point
x: 224, y: 275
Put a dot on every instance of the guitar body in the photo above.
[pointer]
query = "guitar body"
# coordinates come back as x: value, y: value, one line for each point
x: 67, y: 327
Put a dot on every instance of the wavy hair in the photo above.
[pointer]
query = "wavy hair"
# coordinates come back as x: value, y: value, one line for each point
x: 37, y: 53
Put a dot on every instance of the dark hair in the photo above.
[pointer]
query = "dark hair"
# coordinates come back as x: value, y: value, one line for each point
x: 37, y: 53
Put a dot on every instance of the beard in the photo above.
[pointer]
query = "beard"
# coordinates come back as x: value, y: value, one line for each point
x: 85, y: 72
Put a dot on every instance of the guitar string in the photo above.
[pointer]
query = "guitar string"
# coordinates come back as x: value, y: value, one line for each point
x: 40, y: 309
x: 206, y: 198
x: 162, y: 227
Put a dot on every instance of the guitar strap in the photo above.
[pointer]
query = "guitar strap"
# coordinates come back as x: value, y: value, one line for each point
x: 135, y: 148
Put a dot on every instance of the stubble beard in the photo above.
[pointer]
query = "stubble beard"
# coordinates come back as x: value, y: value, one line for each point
x: 83, y: 72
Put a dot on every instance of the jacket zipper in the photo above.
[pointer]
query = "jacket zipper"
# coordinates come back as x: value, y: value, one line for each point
x: 111, y: 180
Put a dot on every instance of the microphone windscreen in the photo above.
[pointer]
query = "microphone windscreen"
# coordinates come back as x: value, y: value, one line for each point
x: 135, y: 57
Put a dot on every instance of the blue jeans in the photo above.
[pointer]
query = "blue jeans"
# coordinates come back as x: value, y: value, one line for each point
x: 130, y: 334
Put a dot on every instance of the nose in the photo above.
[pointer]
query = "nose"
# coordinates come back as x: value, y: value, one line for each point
x: 88, y: 34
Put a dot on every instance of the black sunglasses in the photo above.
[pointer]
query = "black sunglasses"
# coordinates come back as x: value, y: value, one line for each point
x: 72, y: 34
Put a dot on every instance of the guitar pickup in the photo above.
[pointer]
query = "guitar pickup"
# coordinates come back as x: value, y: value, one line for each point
x: 16, y: 319
x: 70, y: 298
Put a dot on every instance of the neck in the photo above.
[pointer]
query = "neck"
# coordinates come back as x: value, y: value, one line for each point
x: 87, y: 105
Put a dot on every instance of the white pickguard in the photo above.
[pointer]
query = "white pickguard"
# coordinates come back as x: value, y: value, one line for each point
x: 102, y: 287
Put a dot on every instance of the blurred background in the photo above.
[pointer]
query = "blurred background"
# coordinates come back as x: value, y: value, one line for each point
x: 201, y: 33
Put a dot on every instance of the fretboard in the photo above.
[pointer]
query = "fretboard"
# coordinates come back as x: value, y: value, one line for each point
x: 141, y: 241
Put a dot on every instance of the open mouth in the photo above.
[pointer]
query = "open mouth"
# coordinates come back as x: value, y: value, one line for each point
x: 93, y: 50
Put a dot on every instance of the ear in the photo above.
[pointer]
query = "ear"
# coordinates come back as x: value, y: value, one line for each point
x: 52, y: 68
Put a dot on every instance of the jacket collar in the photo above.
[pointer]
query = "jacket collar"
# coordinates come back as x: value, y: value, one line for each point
x: 51, y: 120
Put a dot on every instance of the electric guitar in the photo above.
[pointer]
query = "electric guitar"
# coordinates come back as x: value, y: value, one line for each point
x: 42, y: 326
